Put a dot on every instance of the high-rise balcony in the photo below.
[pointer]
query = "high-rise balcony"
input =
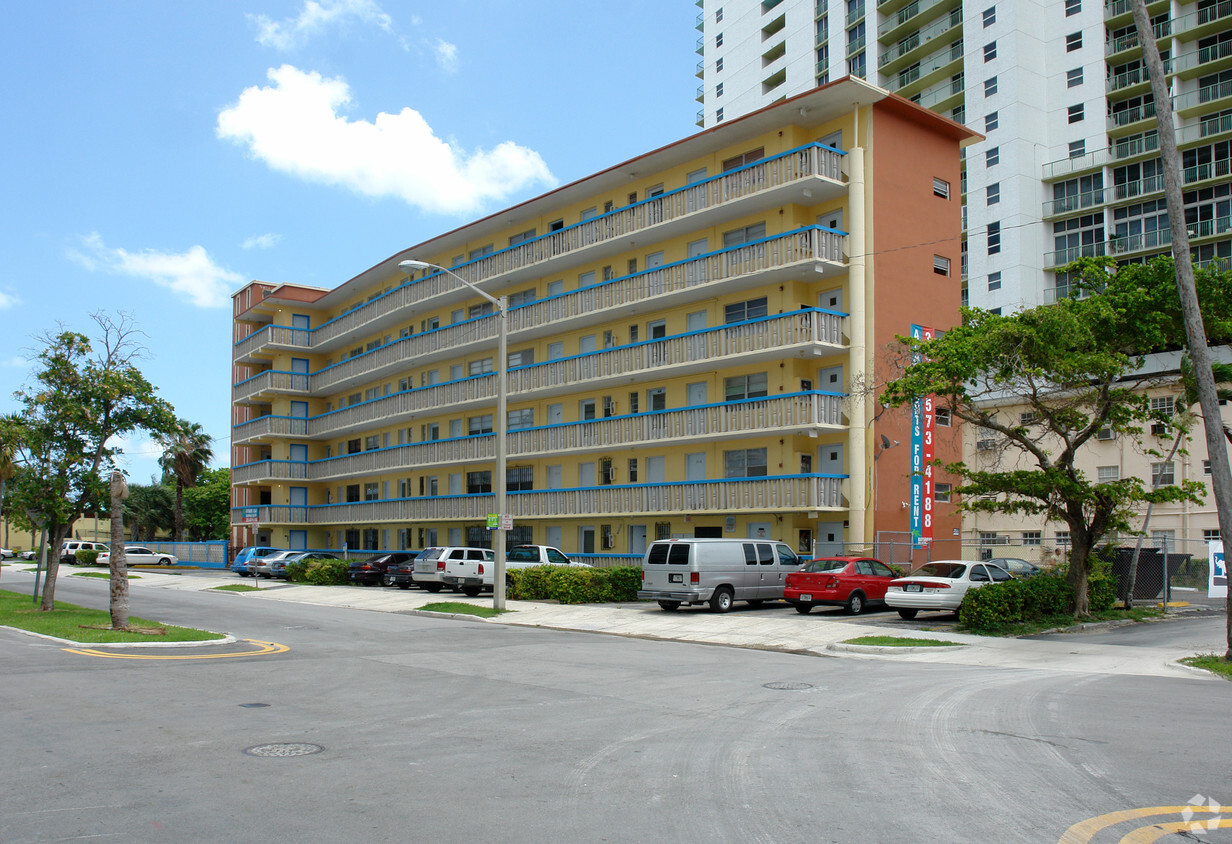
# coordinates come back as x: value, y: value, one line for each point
x: 813, y: 172
x: 1074, y: 202
x: 1204, y: 60
x: 777, y: 415
x: 795, y: 493
x: 1204, y: 22
x: 1129, y: 41
x: 1207, y: 98
x: 915, y: 45
x: 940, y: 64
x: 810, y: 332
x: 912, y: 15
x: 1128, y: 118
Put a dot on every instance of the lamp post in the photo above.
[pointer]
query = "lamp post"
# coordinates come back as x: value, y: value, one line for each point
x: 499, y: 424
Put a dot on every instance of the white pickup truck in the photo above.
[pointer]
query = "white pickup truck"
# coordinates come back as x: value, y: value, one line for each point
x: 471, y: 575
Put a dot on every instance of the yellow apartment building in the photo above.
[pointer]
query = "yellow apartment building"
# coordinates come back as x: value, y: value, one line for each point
x: 695, y: 337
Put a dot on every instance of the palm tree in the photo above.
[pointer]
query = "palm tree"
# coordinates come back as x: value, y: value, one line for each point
x: 186, y: 453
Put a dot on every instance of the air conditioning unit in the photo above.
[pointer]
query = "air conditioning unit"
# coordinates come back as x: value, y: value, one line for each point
x: 985, y: 445
x: 1159, y: 429
x: 609, y: 541
x: 1104, y: 434
x: 609, y: 475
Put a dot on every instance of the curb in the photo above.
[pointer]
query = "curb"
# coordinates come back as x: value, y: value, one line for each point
x: 890, y: 649
x: 227, y: 639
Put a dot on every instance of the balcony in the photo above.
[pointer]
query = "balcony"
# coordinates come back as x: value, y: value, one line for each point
x: 595, y: 304
x: 912, y: 46
x: 1126, y: 119
x: 807, y: 332
x: 1207, y: 98
x: 931, y: 68
x: 1076, y: 202
x: 1129, y: 41
x: 1205, y: 60
x: 1063, y: 257
x: 780, y: 415
x: 730, y: 495
x: 1137, y: 188
x: 1204, y: 22
x: 1137, y: 78
x: 263, y: 385
x: 1218, y: 169
x: 942, y: 97
x: 269, y: 339
x: 911, y: 15
x: 779, y: 179
x: 1119, y: 245
x: 1122, y: 9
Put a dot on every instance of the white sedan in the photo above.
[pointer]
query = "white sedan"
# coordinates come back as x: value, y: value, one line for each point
x: 137, y: 555
x: 940, y: 585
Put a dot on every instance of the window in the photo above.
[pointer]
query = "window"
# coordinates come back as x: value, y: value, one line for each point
x: 477, y: 425
x: 478, y: 482
x: 352, y: 492
x: 522, y: 297
x: 994, y: 281
x: 718, y: 14
x: 519, y: 478
x: 718, y: 65
x: 941, y: 265
x: 1072, y: 7
x: 718, y: 115
x: 656, y: 398
x: 744, y: 158
x: 1163, y: 405
x: 990, y: 51
x: 481, y: 252
x: 1206, y: 467
x: 352, y: 447
x: 370, y: 492
x: 744, y: 463
x: 522, y: 237
x: 994, y: 238
x: 1210, y: 535
x: 740, y: 387
x: 1077, y: 149
x: 739, y: 237
x: 372, y: 443
x: 857, y: 64
x: 1162, y: 474
x: 990, y: 86
x: 991, y: 120
x: 1030, y: 417
x: 740, y: 311
x: 1107, y: 474
x: 522, y: 357
x: 524, y: 418
x: 1031, y: 537
x: 1073, y: 78
x: 941, y: 188
x: 479, y: 367
x: 718, y: 40
x: 992, y: 193
x: 941, y: 417
x: 941, y: 492
x: 632, y: 470
x: 718, y: 90
x: 656, y: 330
x: 990, y: 17
x: 586, y: 409
x: 1062, y: 538
x: 1073, y: 42
x: 1077, y: 113
x: 992, y: 156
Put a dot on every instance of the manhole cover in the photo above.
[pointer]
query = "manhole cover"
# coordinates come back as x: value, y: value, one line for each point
x: 283, y: 749
x: 788, y: 687
x: 253, y: 705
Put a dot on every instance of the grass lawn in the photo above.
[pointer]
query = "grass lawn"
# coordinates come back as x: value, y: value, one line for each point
x: 900, y: 642
x: 1213, y: 663
x: 103, y: 574
x: 236, y: 587
x: 78, y: 624
x: 462, y: 609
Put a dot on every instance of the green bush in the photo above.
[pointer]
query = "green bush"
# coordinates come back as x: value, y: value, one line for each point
x: 1101, y: 587
x: 319, y: 572
x: 1046, y: 594
x: 574, y: 585
x: 86, y: 557
x: 992, y: 605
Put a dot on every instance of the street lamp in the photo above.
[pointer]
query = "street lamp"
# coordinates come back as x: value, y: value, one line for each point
x: 500, y: 423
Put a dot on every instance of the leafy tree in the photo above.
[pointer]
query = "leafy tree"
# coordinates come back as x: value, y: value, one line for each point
x: 207, y: 507
x: 186, y: 453
x: 148, y: 508
x: 81, y: 399
x: 1073, y: 365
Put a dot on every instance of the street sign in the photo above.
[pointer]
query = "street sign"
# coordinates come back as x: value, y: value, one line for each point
x: 497, y: 521
x: 252, y: 515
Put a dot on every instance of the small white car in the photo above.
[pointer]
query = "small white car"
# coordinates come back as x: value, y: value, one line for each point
x: 6, y: 554
x: 137, y: 555
x: 940, y: 585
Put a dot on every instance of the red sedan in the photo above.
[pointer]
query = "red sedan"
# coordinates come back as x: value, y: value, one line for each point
x: 851, y: 582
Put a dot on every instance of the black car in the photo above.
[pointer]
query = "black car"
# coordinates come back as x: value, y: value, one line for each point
x: 401, y: 574
x: 375, y: 569
x: 1015, y: 566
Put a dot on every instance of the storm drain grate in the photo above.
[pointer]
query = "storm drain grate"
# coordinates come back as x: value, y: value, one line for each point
x: 253, y: 705
x: 785, y: 686
x: 283, y: 749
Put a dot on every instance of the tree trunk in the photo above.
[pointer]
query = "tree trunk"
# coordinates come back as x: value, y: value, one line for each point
x: 54, y: 542
x: 1079, y: 571
x: 118, y: 559
x: 1195, y: 331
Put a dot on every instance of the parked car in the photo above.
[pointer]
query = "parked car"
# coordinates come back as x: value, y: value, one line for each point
x: 376, y: 569
x: 246, y: 559
x: 68, y: 551
x: 401, y: 574
x: 851, y: 582
x: 139, y: 555
x: 6, y: 554
x: 1015, y: 566
x: 430, y: 564
x: 525, y: 556
x: 278, y: 562
x: 468, y: 570
x: 940, y: 585
x: 715, y: 572
x: 260, y: 567
x: 32, y: 554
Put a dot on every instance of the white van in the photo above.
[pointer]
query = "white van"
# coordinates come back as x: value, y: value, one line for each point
x: 715, y: 571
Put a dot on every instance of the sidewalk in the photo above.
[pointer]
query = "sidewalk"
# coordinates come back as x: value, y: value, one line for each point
x: 767, y: 628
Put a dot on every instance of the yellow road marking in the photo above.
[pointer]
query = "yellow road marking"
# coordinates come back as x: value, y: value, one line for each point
x: 1147, y: 834
x: 1083, y: 831
x: 268, y: 648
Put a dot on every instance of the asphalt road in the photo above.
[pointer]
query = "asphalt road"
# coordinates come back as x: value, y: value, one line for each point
x: 447, y: 730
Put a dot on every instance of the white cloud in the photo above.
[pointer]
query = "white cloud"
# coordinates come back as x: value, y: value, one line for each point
x: 262, y: 241
x: 446, y: 55
x: 294, y: 126
x: 315, y: 17
x: 14, y: 362
x: 191, y: 274
x: 8, y: 300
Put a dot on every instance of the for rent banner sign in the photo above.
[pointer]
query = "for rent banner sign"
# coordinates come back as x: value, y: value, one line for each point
x: 923, y: 418
x: 1218, y: 587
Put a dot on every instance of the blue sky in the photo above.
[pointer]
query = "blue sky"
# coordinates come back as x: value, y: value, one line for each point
x: 157, y: 155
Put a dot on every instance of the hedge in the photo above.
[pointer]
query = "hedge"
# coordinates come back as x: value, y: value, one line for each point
x: 1034, y: 598
x: 570, y: 585
x: 86, y: 557
x: 319, y: 572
